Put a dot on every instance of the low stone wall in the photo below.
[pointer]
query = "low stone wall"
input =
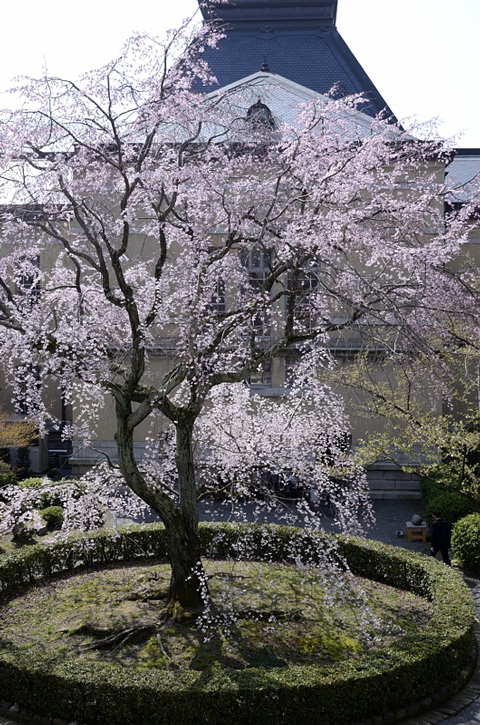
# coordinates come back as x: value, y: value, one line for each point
x: 388, y: 481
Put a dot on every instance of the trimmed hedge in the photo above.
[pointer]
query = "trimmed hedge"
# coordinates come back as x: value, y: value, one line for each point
x: 466, y: 541
x: 414, y: 667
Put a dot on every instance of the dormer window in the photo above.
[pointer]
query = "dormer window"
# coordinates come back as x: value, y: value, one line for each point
x: 260, y: 115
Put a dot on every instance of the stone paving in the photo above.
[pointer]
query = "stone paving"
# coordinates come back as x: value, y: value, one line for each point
x: 464, y: 707
x: 391, y: 516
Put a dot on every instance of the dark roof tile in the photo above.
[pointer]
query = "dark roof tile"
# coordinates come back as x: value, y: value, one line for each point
x: 311, y: 54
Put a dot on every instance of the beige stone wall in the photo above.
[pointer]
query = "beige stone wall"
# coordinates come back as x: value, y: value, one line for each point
x: 160, y: 362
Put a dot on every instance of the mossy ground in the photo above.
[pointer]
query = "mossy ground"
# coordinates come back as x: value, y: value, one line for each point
x: 269, y: 615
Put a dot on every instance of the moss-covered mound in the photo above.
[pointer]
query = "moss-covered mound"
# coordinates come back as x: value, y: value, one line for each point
x: 414, y: 667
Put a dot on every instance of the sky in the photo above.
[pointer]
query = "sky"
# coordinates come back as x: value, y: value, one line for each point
x: 423, y: 55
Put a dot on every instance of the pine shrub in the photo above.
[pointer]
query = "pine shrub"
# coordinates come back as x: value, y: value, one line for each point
x: 53, y: 516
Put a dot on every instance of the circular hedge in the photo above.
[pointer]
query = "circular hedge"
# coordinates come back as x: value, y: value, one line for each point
x: 414, y: 667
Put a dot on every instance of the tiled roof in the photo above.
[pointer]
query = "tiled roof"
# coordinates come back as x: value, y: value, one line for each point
x: 309, y: 52
x: 463, y: 174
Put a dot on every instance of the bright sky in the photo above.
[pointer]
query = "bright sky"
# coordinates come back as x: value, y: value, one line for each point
x: 423, y: 55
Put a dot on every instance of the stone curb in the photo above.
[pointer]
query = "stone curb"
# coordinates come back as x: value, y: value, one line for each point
x: 460, y: 700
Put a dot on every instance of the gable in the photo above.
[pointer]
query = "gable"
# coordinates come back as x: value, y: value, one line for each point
x: 283, y: 97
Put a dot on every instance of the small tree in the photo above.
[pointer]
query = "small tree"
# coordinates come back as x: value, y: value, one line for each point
x: 22, y: 462
x: 165, y: 220
x: 428, y: 405
x: 14, y: 434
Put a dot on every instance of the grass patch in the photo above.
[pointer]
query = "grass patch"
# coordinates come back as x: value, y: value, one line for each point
x: 267, y: 615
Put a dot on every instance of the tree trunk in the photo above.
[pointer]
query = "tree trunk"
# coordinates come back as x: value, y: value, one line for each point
x: 188, y: 585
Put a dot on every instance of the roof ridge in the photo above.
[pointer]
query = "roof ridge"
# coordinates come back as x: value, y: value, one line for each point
x: 259, y: 12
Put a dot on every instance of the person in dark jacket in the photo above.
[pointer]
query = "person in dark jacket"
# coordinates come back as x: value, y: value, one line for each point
x: 440, y: 537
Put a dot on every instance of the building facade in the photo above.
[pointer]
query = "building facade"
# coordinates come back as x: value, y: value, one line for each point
x: 274, y: 56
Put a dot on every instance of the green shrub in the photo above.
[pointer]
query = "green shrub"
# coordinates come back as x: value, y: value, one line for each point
x: 47, y: 499
x: 53, y: 516
x: 412, y: 668
x: 32, y: 482
x: 466, y: 541
x: 452, y: 505
x: 431, y: 488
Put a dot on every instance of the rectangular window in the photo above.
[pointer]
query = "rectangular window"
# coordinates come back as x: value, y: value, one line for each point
x: 218, y: 303
x: 27, y: 282
x: 303, y: 284
x: 27, y: 387
x: 258, y: 263
x: 263, y: 376
x: 290, y: 363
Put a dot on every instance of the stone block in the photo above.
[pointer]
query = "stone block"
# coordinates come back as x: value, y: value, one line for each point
x: 382, y: 485
x: 408, y: 485
x: 393, y: 475
x: 375, y: 475
x: 393, y: 495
